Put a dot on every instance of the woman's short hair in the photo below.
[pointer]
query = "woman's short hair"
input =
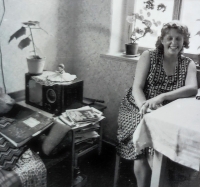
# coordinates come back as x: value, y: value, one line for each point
x: 183, y: 29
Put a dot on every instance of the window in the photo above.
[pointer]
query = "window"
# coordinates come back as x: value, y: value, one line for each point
x: 157, y: 16
x: 185, y: 10
x: 190, y: 16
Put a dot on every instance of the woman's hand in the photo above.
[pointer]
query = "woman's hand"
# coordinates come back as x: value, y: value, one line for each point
x: 151, y: 104
x: 154, y: 102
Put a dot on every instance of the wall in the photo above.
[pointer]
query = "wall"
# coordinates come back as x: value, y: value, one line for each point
x: 109, y: 82
x: 55, y: 45
x: 103, y: 78
x: 78, y: 32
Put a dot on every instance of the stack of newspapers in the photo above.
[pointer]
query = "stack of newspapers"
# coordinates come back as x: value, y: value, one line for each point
x: 81, y: 117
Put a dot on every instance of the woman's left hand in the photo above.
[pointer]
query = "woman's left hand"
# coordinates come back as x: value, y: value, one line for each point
x: 151, y: 104
x: 155, y: 102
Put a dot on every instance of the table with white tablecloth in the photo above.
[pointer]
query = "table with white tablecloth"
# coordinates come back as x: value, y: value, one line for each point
x: 173, y: 131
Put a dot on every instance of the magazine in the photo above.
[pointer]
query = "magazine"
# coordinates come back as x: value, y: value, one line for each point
x: 65, y: 118
x: 81, y: 117
x: 21, y: 131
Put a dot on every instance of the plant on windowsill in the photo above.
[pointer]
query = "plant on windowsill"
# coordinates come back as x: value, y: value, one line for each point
x: 35, y: 62
x: 135, y: 33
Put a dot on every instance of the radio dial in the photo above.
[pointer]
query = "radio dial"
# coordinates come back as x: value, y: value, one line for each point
x: 51, y: 96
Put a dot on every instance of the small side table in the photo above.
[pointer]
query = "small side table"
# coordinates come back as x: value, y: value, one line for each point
x: 78, y: 150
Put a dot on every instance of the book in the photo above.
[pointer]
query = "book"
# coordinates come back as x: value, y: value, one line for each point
x: 22, y: 130
x: 82, y: 115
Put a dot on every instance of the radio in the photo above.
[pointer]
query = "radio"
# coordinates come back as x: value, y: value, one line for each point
x: 54, y: 99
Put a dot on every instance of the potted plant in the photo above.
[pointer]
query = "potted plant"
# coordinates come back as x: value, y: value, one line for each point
x: 135, y: 33
x: 35, y: 62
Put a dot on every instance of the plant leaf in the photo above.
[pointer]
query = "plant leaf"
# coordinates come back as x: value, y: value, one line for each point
x: 198, y: 33
x: 136, y: 15
x: 146, y: 30
x: 147, y: 23
x: 162, y: 7
x: 141, y: 18
x: 24, y: 43
x: 18, y: 33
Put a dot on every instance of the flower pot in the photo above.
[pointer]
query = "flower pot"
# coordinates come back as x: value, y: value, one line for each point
x: 35, y: 66
x: 131, y: 48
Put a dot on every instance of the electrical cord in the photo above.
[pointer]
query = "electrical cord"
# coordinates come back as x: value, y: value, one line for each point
x: 4, y: 9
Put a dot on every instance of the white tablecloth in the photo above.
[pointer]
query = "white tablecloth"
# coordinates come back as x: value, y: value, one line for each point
x: 174, y: 131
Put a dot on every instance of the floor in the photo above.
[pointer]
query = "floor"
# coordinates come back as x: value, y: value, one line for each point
x: 98, y: 169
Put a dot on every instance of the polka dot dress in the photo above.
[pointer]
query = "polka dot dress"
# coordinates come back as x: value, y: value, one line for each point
x: 157, y: 83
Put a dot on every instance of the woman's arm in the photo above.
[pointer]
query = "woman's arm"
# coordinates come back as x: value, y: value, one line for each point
x: 141, y: 73
x: 190, y: 89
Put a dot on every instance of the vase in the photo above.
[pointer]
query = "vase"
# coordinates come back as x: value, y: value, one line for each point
x: 131, y: 48
x: 35, y: 66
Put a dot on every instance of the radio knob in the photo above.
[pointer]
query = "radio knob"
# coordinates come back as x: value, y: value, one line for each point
x: 56, y: 111
x: 48, y: 106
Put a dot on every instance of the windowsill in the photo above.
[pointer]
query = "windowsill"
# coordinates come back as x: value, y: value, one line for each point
x: 120, y: 56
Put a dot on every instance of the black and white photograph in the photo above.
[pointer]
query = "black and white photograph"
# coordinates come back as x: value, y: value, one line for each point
x: 99, y: 93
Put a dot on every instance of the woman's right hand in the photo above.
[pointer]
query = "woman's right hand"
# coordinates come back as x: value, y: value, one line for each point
x: 145, y: 108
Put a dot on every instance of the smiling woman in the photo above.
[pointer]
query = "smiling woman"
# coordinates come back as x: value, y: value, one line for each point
x: 162, y: 75
x: 175, y: 31
x: 173, y: 42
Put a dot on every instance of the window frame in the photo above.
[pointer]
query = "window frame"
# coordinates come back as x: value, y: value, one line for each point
x: 130, y: 9
x: 176, y: 16
x: 177, y: 9
x: 119, y: 35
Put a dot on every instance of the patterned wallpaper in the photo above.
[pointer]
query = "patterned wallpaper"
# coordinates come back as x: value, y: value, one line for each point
x: 55, y: 16
x: 92, y: 31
